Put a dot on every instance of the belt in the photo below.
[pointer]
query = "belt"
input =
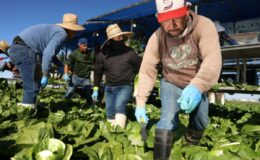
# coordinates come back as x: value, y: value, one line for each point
x: 19, y: 40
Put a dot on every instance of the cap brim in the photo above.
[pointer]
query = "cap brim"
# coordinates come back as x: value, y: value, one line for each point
x: 165, y: 16
x: 73, y: 27
x: 127, y: 34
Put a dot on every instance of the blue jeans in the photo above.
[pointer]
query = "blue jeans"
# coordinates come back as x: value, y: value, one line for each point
x: 117, y: 98
x: 198, y: 119
x: 25, y: 60
x: 80, y: 82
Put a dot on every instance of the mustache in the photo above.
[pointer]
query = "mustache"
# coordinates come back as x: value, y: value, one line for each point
x: 174, y: 30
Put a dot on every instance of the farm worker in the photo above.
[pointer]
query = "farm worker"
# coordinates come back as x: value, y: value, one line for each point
x: 119, y: 63
x: 4, y: 60
x: 80, y: 62
x: 4, y: 46
x: 62, y: 57
x: 5, y: 63
x: 32, y: 52
x: 187, y: 47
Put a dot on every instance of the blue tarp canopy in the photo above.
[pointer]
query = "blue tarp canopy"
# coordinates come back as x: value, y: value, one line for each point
x: 143, y: 16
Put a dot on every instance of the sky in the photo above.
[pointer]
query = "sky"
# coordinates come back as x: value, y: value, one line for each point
x: 16, y: 15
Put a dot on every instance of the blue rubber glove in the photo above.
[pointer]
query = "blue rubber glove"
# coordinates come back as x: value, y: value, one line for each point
x: 95, y: 93
x: 66, y: 77
x: 44, y: 81
x: 7, y: 59
x: 190, y: 98
x: 140, y: 114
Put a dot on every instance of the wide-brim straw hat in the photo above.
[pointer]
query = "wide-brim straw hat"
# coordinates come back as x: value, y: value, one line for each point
x: 4, y: 46
x: 114, y: 30
x: 70, y: 22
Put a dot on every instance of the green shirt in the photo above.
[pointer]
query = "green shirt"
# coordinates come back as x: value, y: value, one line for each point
x: 81, y: 63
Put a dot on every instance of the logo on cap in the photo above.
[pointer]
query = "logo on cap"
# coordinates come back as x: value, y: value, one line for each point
x: 167, y: 4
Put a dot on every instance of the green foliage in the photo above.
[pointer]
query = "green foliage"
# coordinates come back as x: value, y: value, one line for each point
x: 136, y: 45
x: 47, y: 149
x: 72, y: 130
x: 237, y: 86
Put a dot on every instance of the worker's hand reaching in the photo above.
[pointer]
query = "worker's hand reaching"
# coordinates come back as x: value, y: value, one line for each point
x: 95, y: 93
x: 140, y: 114
x: 44, y: 81
x: 190, y: 98
x: 66, y: 77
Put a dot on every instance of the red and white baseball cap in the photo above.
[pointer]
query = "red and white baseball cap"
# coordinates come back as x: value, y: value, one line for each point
x: 169, y: 9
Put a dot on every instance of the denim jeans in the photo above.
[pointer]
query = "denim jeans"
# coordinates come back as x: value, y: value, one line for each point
x: 80, y: 82
x: 198, y: 119
x: 25, y: 60
x: 117, y: 98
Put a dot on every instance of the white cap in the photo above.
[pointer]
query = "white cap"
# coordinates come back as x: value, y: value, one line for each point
x: 169, y: 9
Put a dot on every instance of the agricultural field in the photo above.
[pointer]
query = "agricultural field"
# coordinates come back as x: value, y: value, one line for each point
x: 63, y: 130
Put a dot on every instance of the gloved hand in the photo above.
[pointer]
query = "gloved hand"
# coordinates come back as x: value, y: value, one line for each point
x: 140, y: 113
x: 44, y: 81
x: 190, y: 98
x: 95, y: 93
x: 5, y: 59
x: 66, y: 77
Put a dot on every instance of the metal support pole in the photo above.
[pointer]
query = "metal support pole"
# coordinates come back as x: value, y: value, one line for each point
x: 131, y: 26
x: 196, y: 9
x: 238, y: 71
x: 244, y: 80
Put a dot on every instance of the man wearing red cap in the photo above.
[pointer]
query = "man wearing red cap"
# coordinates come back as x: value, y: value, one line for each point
x: 187, y: 47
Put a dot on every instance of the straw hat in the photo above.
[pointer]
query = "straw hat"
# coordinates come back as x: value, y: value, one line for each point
x: 70, y: 22
x: 114, y: 30
x: 4, y: 46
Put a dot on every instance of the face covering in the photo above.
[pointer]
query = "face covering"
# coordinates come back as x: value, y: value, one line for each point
x: 117, y: 44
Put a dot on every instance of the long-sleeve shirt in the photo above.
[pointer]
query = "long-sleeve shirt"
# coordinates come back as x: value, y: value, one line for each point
x: 2, y: 64
x: 3, y: 60
x: 192, y: 58
x: 44, y: 39
x: 119, y: 68
x: 81, y: 63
